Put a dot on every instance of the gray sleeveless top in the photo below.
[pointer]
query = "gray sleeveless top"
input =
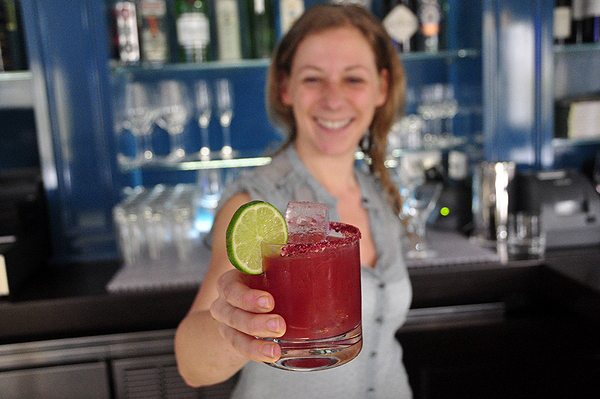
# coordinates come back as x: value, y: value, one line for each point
x: 378, y: 371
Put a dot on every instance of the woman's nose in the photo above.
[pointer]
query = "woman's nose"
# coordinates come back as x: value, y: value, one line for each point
x: 333, y: 95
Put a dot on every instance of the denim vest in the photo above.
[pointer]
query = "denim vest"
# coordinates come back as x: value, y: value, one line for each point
x: 378, y: 371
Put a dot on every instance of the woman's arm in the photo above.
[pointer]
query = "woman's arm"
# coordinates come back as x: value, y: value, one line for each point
x: 216, y: 338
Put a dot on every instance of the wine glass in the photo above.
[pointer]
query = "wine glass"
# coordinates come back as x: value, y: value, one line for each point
x: 175, y: 113
x: 225, y: 112
x: 419, y: 198
x: 140, y: 115
x: 204, y: 109
x: 418, y: 206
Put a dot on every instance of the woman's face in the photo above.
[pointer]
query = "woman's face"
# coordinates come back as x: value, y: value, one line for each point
x: 333, y: 88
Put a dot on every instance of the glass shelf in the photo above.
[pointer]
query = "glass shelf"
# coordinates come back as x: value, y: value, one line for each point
x: 576, y: 48
x: 563, y: 142
x: 15, y: 90
x: 445, y: 54
x: 143, y: 70
x: 264, y: 63
x: 245, y: 161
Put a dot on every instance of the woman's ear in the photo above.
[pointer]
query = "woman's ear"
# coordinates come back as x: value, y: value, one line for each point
x: 384, y: 83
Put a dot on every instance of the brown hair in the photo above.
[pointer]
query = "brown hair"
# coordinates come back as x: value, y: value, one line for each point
x: 329, y: 16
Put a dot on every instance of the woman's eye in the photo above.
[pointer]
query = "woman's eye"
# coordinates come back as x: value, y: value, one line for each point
x: 310, y: 79
x: 355, y: 79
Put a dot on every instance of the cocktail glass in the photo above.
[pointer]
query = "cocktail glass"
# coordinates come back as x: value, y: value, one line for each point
x: 316, y: 287
x: 418, y: 205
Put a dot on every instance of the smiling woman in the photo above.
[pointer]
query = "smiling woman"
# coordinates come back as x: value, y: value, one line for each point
x: 333, y: 88
x: 335, y: 83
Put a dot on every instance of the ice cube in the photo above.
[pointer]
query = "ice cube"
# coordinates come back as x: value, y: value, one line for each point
x: 308, y: 222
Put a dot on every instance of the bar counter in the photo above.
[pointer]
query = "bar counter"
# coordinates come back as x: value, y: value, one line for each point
x: 72, y: 300
x: 525, y: 329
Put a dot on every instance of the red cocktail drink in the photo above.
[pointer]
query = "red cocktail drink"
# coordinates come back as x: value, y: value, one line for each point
x: 316, y: 288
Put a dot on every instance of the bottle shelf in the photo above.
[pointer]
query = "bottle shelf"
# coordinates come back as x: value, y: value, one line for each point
x: 562, y: 142
x: 167, y: 69
x: 16, y: 90
x: 577, y: 48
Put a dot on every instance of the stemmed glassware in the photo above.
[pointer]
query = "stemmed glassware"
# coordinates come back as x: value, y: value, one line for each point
x: 225, y: 113
x: 204, y: 110
x: 140, y: 115
x: 175, y: 113
x: 419, y: 198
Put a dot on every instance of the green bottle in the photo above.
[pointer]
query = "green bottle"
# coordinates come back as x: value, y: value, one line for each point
x: 262, y: 27
x: 193, y: 30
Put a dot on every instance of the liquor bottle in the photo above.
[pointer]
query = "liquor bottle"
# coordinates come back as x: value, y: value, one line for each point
x: 591, y: 23
x: 229, y: 41
x: 153, y: 31
x: 288, y: 11
x: 127, y: 32
x: 12, y: 44
x: 401, y: 23
x: 578, y: 15
x: 562, y: 21
x: 193, y: 30
x: 431, y: 17
x: 262, y: 29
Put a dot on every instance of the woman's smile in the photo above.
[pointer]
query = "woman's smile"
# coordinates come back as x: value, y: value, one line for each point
x: 333, y: 124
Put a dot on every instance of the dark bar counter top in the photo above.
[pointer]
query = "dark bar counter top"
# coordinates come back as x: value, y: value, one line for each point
x: 72, y: 300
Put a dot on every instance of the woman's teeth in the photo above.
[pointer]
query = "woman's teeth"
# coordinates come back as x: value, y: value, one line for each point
x: 333, y: 125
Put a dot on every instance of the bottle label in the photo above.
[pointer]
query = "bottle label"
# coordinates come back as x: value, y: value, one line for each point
x: 129, y: 47
x: 289, y: 11
x: 156, y: 8
x: 228, y: 30
x: 562, y: 22
x: 153, y: 34
x: 592, y: 8
x: 259, y: 6
x: 578, y: 10
x: 193, y: 30
x: 401, y: 23
x: 430, y: 15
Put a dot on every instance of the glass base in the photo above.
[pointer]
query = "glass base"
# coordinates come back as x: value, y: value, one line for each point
x: 319, y: 354
x: 421, y: 254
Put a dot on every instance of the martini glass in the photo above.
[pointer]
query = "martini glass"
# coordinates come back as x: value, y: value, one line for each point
x: 418, y: 206
x: 419, y: 198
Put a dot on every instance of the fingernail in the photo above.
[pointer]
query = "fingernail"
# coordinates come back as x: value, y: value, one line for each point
x: 273, y: 325
x: 268, y: 350
x: 264, y: 302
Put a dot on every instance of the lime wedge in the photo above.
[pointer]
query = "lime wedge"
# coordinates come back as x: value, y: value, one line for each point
x: 253, y: 223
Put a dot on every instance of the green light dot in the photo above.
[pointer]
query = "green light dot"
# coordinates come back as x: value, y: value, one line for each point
x: 444, y: 211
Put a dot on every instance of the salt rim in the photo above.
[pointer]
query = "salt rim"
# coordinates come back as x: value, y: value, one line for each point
x: 351, y: 234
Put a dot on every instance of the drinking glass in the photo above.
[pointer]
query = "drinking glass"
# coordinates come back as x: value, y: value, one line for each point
x: 316, y: 288
x: 526, y: 238
x: 140, y: 115
x: 175, y: 113
x: 225, y: 112
x: 418, y: 205
x: 204, y: 110
x: 211, y: 186
x: 419, y: 198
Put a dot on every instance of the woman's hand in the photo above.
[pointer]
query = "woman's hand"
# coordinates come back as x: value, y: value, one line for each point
x: 244, y: 314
